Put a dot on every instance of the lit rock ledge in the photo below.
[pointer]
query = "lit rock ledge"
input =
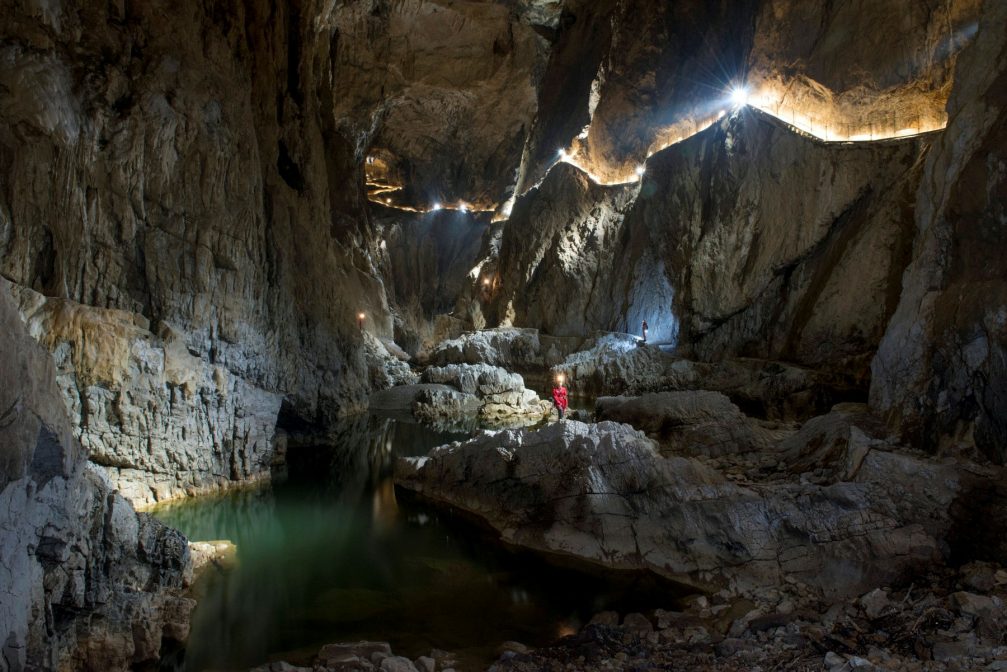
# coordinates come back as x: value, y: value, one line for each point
x: 604, y: 494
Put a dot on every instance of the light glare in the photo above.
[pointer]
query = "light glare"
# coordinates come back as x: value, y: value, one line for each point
x: 739, y: 96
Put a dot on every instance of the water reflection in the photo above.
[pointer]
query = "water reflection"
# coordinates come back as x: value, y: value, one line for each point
x: 329, y: 553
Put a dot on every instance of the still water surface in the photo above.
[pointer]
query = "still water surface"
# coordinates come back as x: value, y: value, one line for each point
x: 329, y: 553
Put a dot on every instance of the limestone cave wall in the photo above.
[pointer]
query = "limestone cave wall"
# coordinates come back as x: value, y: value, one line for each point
x: 87, y: 583
x: 186, y: 227
x: 941, y: 371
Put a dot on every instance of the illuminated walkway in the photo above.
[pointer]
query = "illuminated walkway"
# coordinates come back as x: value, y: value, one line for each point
x: 821, y: 122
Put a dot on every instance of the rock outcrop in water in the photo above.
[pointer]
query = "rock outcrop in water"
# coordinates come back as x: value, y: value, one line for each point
x: 86, y: 582
x: 604, y: 494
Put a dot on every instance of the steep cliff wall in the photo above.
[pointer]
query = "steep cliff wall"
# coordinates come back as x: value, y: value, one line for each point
x: 779, y: 246
x: 179, y: 164
x: 570, y: 264
x: 747, y: 239
x: 87, y: 584
x: 941, y: 371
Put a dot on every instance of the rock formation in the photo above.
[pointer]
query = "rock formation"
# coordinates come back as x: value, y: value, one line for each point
x: 218, y: 219
x: 522, y: 350
x: 941, y: 371
x: 174, y: 189
x: 603, y: 493
x: 690, y: 423
x: 440, y: 94
x: 502, y: 394
x: 87, y: 583
x: 618, y: 365
x: 714, y: 251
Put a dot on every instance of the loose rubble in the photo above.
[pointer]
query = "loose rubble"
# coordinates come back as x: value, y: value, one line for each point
x: 942, y: 620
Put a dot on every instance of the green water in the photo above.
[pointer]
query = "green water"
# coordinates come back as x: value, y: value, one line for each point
x: 329, y: 552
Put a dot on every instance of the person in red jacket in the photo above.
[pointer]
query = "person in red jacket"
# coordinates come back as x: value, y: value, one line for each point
x: 559, y: 396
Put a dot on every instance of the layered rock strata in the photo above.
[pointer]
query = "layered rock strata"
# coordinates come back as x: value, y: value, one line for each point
x: 88, y: 584
x: 502, y: 395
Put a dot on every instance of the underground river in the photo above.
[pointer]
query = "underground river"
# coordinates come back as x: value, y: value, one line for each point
x: 329, y: 553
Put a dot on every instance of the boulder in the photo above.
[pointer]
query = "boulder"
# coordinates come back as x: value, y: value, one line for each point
x: 603, y: 494
x: 767, y: 389
x: 689, y: 422
x: 836, y: 442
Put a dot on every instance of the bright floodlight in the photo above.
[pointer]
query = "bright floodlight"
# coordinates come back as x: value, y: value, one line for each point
x: 640, y: 170
x: 739, y: 96
x: 562, y: 153
x: 436, y: 206
x: 463, y: 207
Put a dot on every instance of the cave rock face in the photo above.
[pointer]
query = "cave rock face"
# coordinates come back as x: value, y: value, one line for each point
x: 746, y: 239
x: 941, y: 371
x: 195, y: 217
x: 603, y: 493
x: 159, y: 421
x: 87, y: 583
x: 442, y: 93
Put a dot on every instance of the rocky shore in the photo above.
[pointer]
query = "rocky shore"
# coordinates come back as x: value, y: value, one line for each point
x: 942, y: 620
